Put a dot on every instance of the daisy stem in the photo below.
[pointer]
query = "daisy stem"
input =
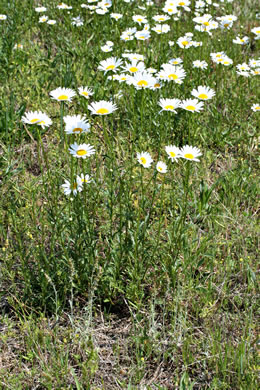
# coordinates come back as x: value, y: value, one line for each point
x: 61, y: 123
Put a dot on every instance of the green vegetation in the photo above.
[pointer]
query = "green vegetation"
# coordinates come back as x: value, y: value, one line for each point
x: 143, y: 280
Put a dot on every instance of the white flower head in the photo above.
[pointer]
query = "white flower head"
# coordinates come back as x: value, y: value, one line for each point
x: 144, y: 159
x: 81, y: 151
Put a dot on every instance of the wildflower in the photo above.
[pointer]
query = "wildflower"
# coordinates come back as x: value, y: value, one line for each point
x: 85, y: 91
x: 51, y: 21
x: 254, y: 63
x: 161, y: 28
x: 135, y: 66
x: 62, y: 94
x: 190, y: 153
x: 184, y: 42
x: 142, y: 80
x: 161, y: 167
x: 116, y: 16
x: 40, y: 9
x: 76, y: 124
x: 37, y: 117
x: 139, y: 19
x: 84, y: 179
x: 144, y: 159
x: 241, y: 41
x: 18, y: 46
x: 142, y: 35
x: 3, y: 17
x: 102, y: 107
x: 173, y: 152
x: 203, y: 93
x: 255, y: 107
x: 200, y: 64
x: 72, y: 187
x: 175, y: 61
x: 161, y: 18
x: 43, y: 19
x: 169, y: 104
x: 82, y: 150
x: 192, y: 105
x: 172, y: 73
x: 77, y: 21
x: 106, y: 48
x: 256, y: 31
x: 63, y: 6
x: 111, y: 63
x: 243, y: 67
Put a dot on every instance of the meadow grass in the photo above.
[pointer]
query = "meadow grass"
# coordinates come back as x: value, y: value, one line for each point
x: 143, y: 280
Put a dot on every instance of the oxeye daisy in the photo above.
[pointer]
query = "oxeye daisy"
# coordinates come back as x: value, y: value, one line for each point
x: 161, y: 167
x: 43, y: 19
x: 190, y: 153
x: 3, y: 17
x: 172, y: 73
x: 111, y: 63
x: 144, y: 159
x: 175, y: 61
x: 106, y: 48
x: 255, y: 107
x: 82, y: 150
x: 184, y: 42
x: 84, y: 179
x: 160, y: 18
x: 256, y: 31
x: 62, y: 94
x: 135, y: 66
x: 200, y: 64
x: 76, y: 124
x: 173, y: 152
x: 169, y: 104
x: 37, y: 117
x: 139, y: 19
x: 142, y: 80
x: 85, y: 91
x: 74, y: 187
x: 102, y: 107
x: 241, y: 41
x: 142, y: 35
x: 116, y: 16
x: 192, y: 105
x: 40, y: 9
x: 203, y: 93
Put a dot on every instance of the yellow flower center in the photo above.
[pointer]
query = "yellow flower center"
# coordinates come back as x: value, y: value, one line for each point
x: 175, y: 62
x: 142, y: 83
x: 226, y: 24
x: 181, y: 3
x: 220, y: 59
x: 160, y: 168
x: 203, y: 96
x: 41, y: 123
x: 242, y: 68
x: 226, y: 62
x: 84, y: 93
x: 258, y: 31
x: 81, y: 152
x: 173, y: 76
x: 169, y: 10
x: 77, y: 130
x: 34, y: 120
x: 74, y: 186
x: 143, y: 160
x: 185, y: 43
x: 110, y: 67
x: 191, y: 108
x: 257, y: 108
x: 63, y: 97
x: 123, y: 78
x: 206, y: 23
x: 157, y: 85
x: 102, y: 111
x: 139, y: 19
x: 189, y: 156
x: 169, y: 107
x: 133, y: 69
x: 172, y: 154
x: 161, y: 19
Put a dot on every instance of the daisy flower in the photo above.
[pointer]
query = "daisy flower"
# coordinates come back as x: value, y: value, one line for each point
x: 184, y: 42
x: 256, y: 31
x: 161, y: 167
x: 111, y: 63
x: 43, y: 19
x: 173, y: 152
x: 84, y: 179
x: 135, y: 66
x: 37, y: 117
x: 74, y: 188
x: 63, y: 6
x: 172, y: 73
x: 102, y: 107
x: 76, y: 124
x: 62, y: 94
x: 190, y: 153
x: 40, y: 9
x: 142, y: 35
x: 142, y: 80
x: 3, y: 17
x: 241, y: 41
x: 160, y: 18
x: 144, y: 159
x: 175, y: 61
x: 139, y: 19
x: 192, y: 105
x: 51, y: 21
x: 116, y: 16
x: 82, y: 150
x: 106, y: 48
x: 169, y: 104
x: 85, y: 91
x: 203, y: 93
x: 254, y: 63
x: 243, y: 67
x: 200, y: 64
x: 255, y: 107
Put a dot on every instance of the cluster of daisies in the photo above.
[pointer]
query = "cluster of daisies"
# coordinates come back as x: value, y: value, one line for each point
x: 173, y: 152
